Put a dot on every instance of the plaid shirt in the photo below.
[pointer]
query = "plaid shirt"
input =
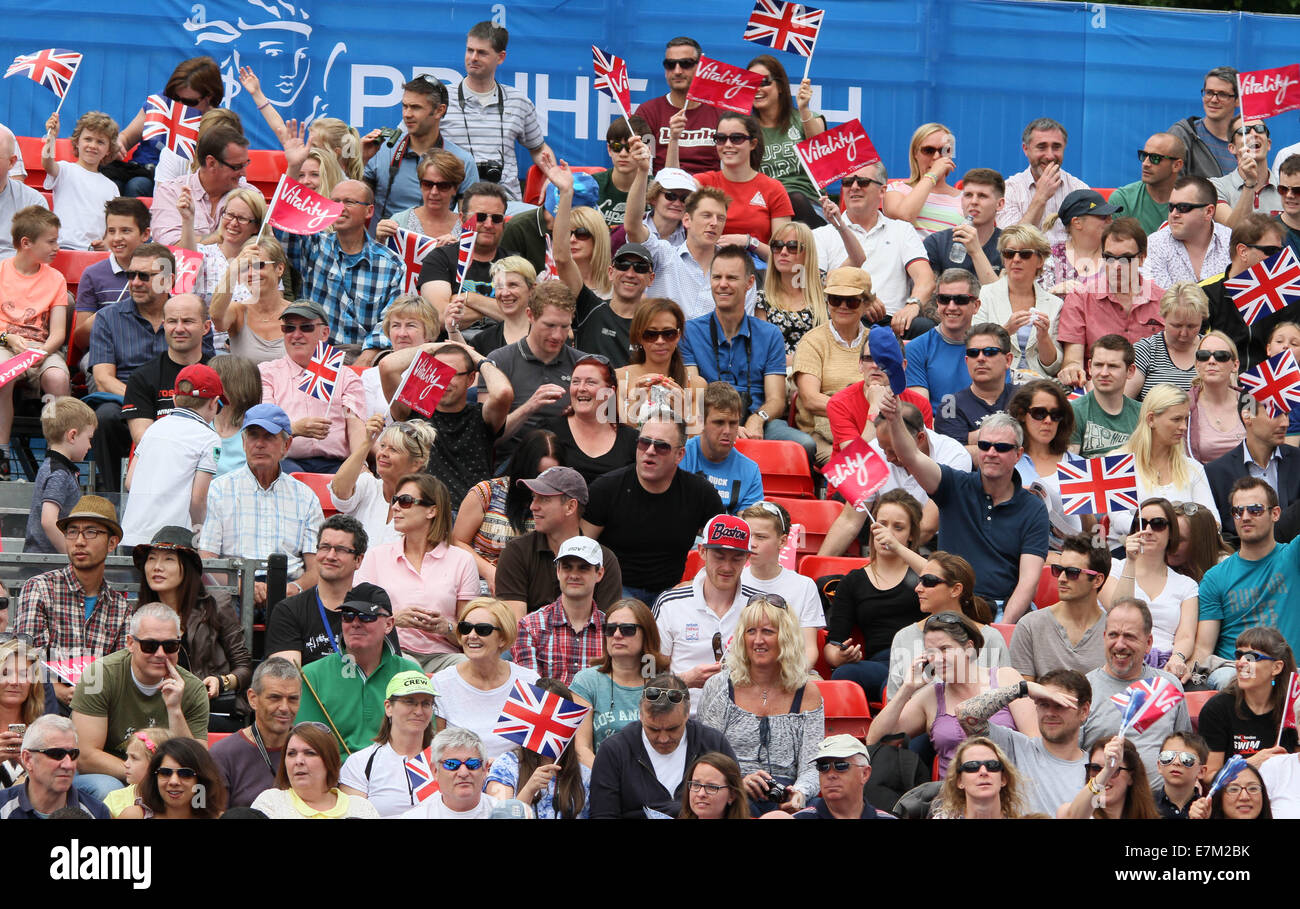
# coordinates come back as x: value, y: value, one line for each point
x: 246, y: 521
x: 354, y: 294
x: 548, y: 644
x: 52, y: 609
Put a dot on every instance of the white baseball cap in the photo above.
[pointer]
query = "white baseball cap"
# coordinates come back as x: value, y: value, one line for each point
x: 584, y: 548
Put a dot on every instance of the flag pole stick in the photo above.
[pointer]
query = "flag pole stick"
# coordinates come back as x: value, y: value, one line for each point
x: 807, y: 64
x: 69, y: 88
x: 821, y: 190
x: 275, y: 197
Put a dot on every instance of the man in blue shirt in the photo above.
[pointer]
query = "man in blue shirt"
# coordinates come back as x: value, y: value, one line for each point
x: 936, y: 361
x: 712, y: 454
x: 49, y: 757
x: 1252, y: 588
x: 988, y: 359
x: 749, y: 354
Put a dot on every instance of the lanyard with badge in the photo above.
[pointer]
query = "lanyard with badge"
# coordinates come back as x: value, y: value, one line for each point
x: 324, y: 620
x: 261, y: 749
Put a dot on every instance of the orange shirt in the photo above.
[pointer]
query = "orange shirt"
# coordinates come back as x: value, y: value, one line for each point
x: 26, y: 300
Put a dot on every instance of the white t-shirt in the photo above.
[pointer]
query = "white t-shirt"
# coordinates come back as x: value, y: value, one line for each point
x: 368, y: 506
x: 79, y: 198
x: 1281, y: 774
x: 669, y: 768
x: 169, y: 454
x: 387, y: 788
x: 798, y: 591
x: 463, y: 705
x: 432, y: 807
x: 890, y: 246
x: 1166, y: 609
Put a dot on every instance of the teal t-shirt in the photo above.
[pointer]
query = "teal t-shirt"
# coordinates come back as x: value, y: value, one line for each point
x: 1097, y: 432
x: 612, y: 202
x: 613, y: 706
x: 1241, y: 594
x: 781, y: 161
x: 1137, y: 203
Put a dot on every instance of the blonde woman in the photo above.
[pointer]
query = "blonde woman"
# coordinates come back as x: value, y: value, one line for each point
x: 589, y: 247
x: 1168, y: 357
x: 239, y: 218
x: 792, y: 299
x: 981, y: 783
x: 1214, y: 424
x: 344, y: 141
x: 514, y: 278
x: 320, y: 171
x: 925, y: 199
x: 253, y: 321
x: 1017, y: 302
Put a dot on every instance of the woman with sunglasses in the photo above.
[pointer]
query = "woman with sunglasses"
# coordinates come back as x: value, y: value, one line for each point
x: 1173, y: 598
x: 1116, y: 785
x: 791, y: 303
x: 714, y: 790
x: 594, y: 442
x: 212, y: 637
x: 1244, y: 718
x: 239, y: 218
x: 924, y: 199
x: 1200, y: 545
x: 613, y: 686
x: 182, y: 782
x: 555, y: 790
x: 306, y: 785
x: 981, y: 783
x: 470, y: 694
x: 588, y: 249
x: 1245, y: 798
x: 666, y: 200
x: 248, y: 301
x: 1214, y: 421
x: 1015, y: 301
x: 1047, y: 419
x: 23, y: 698
x: 784, y: 125
x: 1084, y: 214
x: 766, y: 709
x: 377, y: 772
x: 739, y: 139
x: 513, y: 279
x: 428, y: 579
x: 943, y: 678
x: 400, y: 450
x: 440, y: 174
x: 1168, y: 357
x: 656, y: 373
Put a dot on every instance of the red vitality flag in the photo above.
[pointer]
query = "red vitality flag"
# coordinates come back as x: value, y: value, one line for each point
x: 1269, y: 92
x: 837, y: 152
x: 425, y: 384
x: 297, y: 210
x: 856, y: 472
x: 724, y: 86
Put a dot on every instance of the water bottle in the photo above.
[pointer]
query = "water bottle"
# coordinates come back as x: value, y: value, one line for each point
x: 957, y: 252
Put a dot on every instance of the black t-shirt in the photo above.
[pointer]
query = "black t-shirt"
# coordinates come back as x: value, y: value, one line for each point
x: 296, y: 625
x: 621, y: 454
x: 150, y: 388
x: 462, y: 452
x: 1225, y: 731
x: 938, y: 247
x: 440, y: 265
x: 651, y: 533
x: 605, y: 332
x: 491, y: 338
x: 877, y: 614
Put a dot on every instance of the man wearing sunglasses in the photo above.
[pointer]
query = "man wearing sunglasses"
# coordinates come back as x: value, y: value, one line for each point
x: 1069, y: 634
x: 1254, y: 238
x: 1162, y: 159
x: 1037, y: 192
x: 1207, y: 139
x: 483, y: 210
x: 936, y: 361
x: 607, y: 328
x: 222, y: 156
x: 695, y: 147
x: 887, y: 249
x: 135, y: 688
x: 1263, y: 454
x: 1288, y: 187
x: 462, y: 770
x: 49, y: 756
x: 988, y: 360
x: 559, y: 640
x: 347, y: 689
x: 1250, y: 188
x: 1255, y: 586
x: 1193, y: 246
x: 843, y: 767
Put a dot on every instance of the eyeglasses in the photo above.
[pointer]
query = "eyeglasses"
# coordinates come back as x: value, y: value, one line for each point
x: 851, y: 181
x: 931, y: 581
x: 238, y: 219
x: 1144, y: 155
x: 954, y: 299
x: 1251, y: 128
x: 839, y: 765
x: 1156, y: 524
x: 406, y: 501
x: 300, y: 327
x: 365, y: 618
x: 441, y: 186
x: 866, y: 358
x: 1023, y: 254
x: 1253, y: 510
x: 235, y: 167
x: 149, y: 645
x: 57, y: 754
x: 992, y: 765
x: 185, y: 773
x: 1235, y: 789
x: 260, y: 263
x: 482, y: 629
x: 640, y: 266
x: 87, y: 533
x: 627, y: 629
x: 494, y: 217
x: 843, y: 302
x: 771, y: 599
x: 1186, y: 758
x: 1254, y: 656
x: 1073, y: 573
x: 684, y: 63
x: 733, y: 138
x: 673, y: 695
x: 676, y: 195
x: 351, y: 202
x: 1266, y: 250
x: 661, y: 334
x: 1284, y: 190
x: 141, y: 275
x: 330, y: 547
x: 1220, y: 356
x: 973, y: 353
x: 1040, y: 414
x: 1209, y: 93
x: 644, y: 443
x: 999, y: 447
x: 453, y: 764
x: 710, y: 788
x: 790, y: 245
x: 25, y: 639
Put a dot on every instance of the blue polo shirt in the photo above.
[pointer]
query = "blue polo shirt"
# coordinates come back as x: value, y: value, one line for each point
x: 15, y: 805
x: 757, y: 350
x: 935, y: 363
x: 1239, y: 594
x: 963, y: 418
x: 400, y: 189
x: 736, y: 477
x: 991, y: 537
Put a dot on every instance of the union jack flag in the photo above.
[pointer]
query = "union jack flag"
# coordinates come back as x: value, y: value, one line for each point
x: 420, y: 775
x: 1098, y: 485
x: 465, y: 254
x: 551, y: 270
x: 412, y: 247
x: 540, y: 721
x: 53, y: 68
x: 1074, y: 393
x: 1275, y: 383
x: 1142, y: 703
x: 611, y: 77
x: 789, y: 27
x: 1230, y: 771
x: 322, y: 373
x: 176, y: 123
x: 1267, y: 287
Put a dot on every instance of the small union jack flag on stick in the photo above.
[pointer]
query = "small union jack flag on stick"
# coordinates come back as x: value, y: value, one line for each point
x: 176, y: 123
x: 539, y: 720
x: 1142, y: 703
x: 420, y: 775
x: 1098, y: 485
x: 322, y: 373
x: 551, y: 271
x: 1266, y: 288
x: 611, y: 78
x: 1275, y: 383
x: 464, y: 256
x: 53, y: 67
x: 790, y: 27
x: 412, y: 247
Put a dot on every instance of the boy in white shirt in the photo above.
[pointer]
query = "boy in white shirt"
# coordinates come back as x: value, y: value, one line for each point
x: 80, y: 190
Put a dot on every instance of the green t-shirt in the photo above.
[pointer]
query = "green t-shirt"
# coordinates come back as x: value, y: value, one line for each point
x: 613, y: 201
x: 107, y: 689
x: 1137, y: 203
x: 613, y: 706
x: 355, y: 702
x: 781, y: 161
x: 1097, y: 432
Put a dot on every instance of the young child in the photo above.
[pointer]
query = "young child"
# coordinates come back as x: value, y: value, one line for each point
x: 140, y: 749
x: 80, y: 190
x: 68, y: 425
x: 126, y: 226
x: 769, y: 530
x: 175, y: 460
x: 33, y: 313
x: 1286, y: 335
x: 1182, y: 781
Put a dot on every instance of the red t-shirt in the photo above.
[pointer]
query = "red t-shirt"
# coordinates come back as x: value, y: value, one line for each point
x: 847, y: 412
x: 754, y: 203
x: 695, y: 149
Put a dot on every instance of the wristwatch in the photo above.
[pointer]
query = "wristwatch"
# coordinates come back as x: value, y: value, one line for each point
x: 763, y: 415
x: 912, y: 301
x: 1024, y: 689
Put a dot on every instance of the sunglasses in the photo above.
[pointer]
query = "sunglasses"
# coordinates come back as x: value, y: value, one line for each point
x: 733, y: 138
x: 482, y: 629
x: 25, y: 639
x: 1288, y: 190
x: 185, y: 773
x: 1187, y: 508
x: 627, y: 629
x: 930, y: 150
x: 1092, y: 769
x: 299, y: 327
x: 189, y: 102
x: 764, y: 82
x: 141, y: 275
x: 1186, y: 758
x: 1252, y: 128
x: 618, y: 145
x: 992, y: 765
x: 149, y: 645
x: 771, y: 599
x: 1073, y: 573
x: 1144, y: 155
x: 659, y: 445
x: 494, y: 217
x: 1266, y: 250
x: 1156, y: 524
x: 1220, y: 356
x: 990, y: 352
x: 824, y: 765
x: 1184, y: 207
x: 790, y: 245
x: 580, y: 233
x: 835, y: 302
x: 999, y: 447
x: 640, y: 266
x: 775, y: 511
x: 57, y: 754
x: 685, y: 63
x: 314, y: 724
x: 441, y: 186
x: 954, y: 299
x: 1023, y: 254
x: 931, y: 581
x: 1119, y: 257
x: 661, y: 334
x: 405, y: 500
x: 710, y: 788
x: 864, y: 182
x: 349, y: 615
x: 1253, y: 656
x: 1253, y: 510
x: 453, y: 764
x: 676, y: 195
x: 674, y: 695
x: 1040, y: 414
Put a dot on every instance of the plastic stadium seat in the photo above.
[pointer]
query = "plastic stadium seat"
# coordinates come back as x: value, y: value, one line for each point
x: 822, y: 667
x: 29, y: 148
x: 815, y: 566
x: 264, y: 169
x: 846, y: 707
x: 72, y: 262
x: 357, y: 368
x: 535, y: 180
x: 1006, y: 630
x: 1195, y: 701
x: 694, y: 562
x: 1046, y: 594
x: 214, y: 737
x: 1105, y: 192
x: 816, y: 516
x: 784, y: 466
x: 320, y: 484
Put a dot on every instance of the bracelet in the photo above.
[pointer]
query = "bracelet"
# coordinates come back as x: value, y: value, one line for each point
x: 296, y: 584
x: 1182, y: 656
x: 1093, y: 787
x: 806, y: 119
x: 933, y: 178
x: 1128, y: 577
x: 1250, y: 185
x: 264, y: 104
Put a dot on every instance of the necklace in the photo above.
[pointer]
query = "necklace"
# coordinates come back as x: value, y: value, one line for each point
x: 763, y: 692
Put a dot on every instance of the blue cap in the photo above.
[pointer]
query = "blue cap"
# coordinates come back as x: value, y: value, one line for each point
x: 888, y: 356
x: 585, y: 193
x: 268, y: 417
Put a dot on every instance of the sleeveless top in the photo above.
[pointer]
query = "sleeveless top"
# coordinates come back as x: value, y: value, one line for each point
x: 793, y: 324
x: 946, y: 732
x: 251, y: 345
x: 495, y: 531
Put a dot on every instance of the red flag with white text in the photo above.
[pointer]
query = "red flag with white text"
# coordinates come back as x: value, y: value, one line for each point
x: 724, y: 86
x: 189, y: 264
x: 856, y: 472
x: 837, y: 152
x: 425, y: 383
x: 1269, y: 92
x: 297, y: 210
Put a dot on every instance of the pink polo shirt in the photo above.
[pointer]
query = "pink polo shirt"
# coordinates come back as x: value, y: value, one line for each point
x: 446, y: 576
x: 280, y: 387
x: 1091, y: 311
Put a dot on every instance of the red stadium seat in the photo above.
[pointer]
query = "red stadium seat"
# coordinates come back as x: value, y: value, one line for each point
x: 1046, y: 594
x: 265, y: 166
x: 320, y: 484
x: 846, y: 708
x: 784, y: 466
x: 694, y: 562
x: 1105, y: 192
x: 816, y: 516
x: 1006, y: 630
x: 72, y: 262
x: 214, y: 737
x: 357, y: 368
x: 536, y: 180
x: 29, y: 148
x: 822, y: 667
x: 815, y: 566
x: 1195, y: 701
x: 147, y: 200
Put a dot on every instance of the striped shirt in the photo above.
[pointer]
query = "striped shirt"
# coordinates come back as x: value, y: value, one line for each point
x: 102, y: 284
x: 490, y: 133
x: 687, y: 624
x: 354, y: 288
x: 548, y: 643
x: 1151, y: 355
x: 246, y: 521
x: 681, y: 279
